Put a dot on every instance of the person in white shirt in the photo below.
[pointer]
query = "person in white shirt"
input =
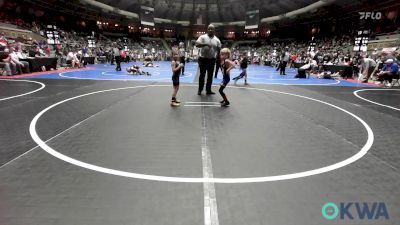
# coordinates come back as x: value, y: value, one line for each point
x: 209, y: 46
x: 20, y: 54
x: 367, y: 66
x: 20, y: 65
x: 73, y: 59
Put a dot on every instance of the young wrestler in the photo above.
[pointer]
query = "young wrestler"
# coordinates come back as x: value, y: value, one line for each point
x: 176, y: 71
x: 243, y: 67
x: 135, y: 70
x: 226, y: 65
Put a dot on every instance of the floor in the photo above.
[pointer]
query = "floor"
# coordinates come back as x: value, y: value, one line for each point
x: 95, y: 146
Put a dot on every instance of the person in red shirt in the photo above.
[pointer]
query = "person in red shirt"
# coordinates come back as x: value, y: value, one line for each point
x: 293, y: 58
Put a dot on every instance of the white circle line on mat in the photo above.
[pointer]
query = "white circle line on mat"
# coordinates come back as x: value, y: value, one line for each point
x: 42, y: 85
x: 376, y: 103
x: 364, y: 150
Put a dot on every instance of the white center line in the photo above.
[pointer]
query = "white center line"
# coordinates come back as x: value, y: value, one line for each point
x: 210, y: 199
x: 202, y: 105
x: 209, y: 103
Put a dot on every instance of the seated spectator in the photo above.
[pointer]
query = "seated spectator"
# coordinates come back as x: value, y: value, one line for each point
x: 3, y: 40
x: 73, y: 59
x: 48, y: 52
x: 389, y: 70
x: 5, y: 64
x: 9, y: 65
x: 36, y: 52
x: 20, y: 65
x: 20, y: 54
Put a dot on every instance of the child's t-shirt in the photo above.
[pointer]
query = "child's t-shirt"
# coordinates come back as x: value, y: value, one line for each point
x: 243, y: 64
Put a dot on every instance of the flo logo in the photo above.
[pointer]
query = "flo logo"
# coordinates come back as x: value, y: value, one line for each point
x: 355, y: 210
x: 372, y: 15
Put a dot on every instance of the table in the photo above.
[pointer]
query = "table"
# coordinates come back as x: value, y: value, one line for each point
x: 89, y: 60
x: 35, y: 64
x: 267, y: 63
x: 344, y: 71
x: 298, y: 65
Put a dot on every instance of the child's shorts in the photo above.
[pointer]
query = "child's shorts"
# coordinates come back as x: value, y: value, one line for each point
x: 225, y: 80
x: 175, y: 80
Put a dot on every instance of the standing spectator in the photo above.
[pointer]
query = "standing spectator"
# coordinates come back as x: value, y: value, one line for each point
x: 209, y: 45
x: 293, y: 59
x: 367, y: 66
x: 123, y: 55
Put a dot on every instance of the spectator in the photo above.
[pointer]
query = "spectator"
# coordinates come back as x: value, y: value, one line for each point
x: 73, y: 59
x: 7, y: 59
x: 36, y: 52
x: 390, y: 69
x: 367, y: 66
x: 20, y: 65
x: 4, y: 63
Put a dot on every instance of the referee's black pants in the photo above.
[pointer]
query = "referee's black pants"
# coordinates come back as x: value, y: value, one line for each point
x: 183, y: 61
x: 206, y: 66
x: 118, y: 61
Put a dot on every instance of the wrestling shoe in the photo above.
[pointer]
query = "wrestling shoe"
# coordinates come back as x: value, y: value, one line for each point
x: 225, y: 104
x: 175, y: 104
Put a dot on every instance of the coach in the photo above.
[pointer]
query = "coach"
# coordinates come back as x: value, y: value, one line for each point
x: 209, y: 45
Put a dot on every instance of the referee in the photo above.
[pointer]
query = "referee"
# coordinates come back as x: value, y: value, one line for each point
x: 209, y: 45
